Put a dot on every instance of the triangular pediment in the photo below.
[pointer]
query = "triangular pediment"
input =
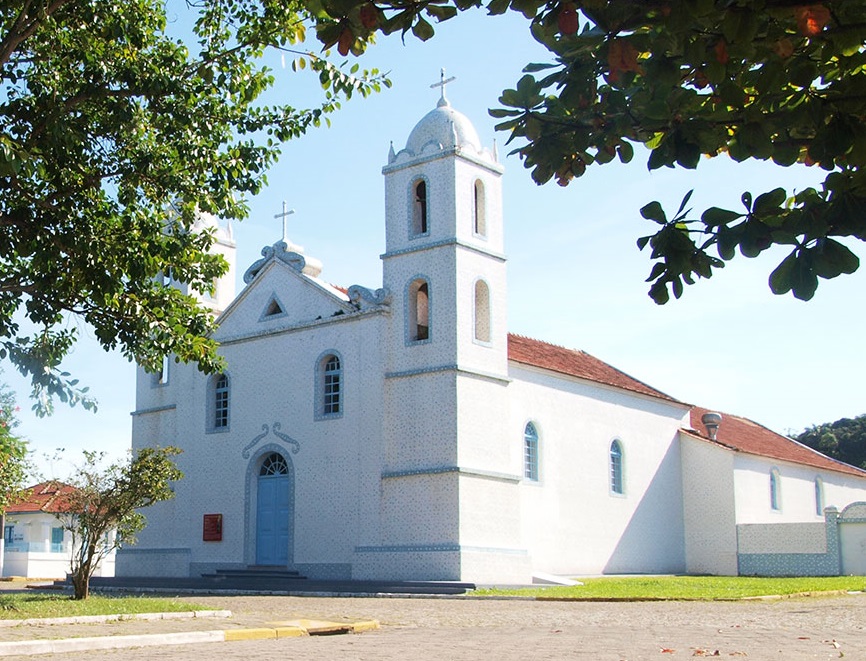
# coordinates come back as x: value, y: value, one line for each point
x: 281, y: 297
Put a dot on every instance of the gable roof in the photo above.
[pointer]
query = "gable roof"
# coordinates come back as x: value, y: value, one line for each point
x: 50, y: 497
x: 744, y: 435
x: 536, y: 353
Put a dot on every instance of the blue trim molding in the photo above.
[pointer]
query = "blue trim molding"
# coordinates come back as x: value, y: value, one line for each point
x: 445, y: 547
x: 440, y: 470
x: 447, y: 368
x: 481, y: 250
x: 154, y: 409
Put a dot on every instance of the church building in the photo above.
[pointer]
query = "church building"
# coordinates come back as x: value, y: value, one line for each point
x: 400, y: 432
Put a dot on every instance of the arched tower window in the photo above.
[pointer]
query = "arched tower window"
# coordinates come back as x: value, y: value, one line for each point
x: 479, y: 216
x: 419, y: 208
x: 218, y: 402
x: 331, y: 389
x: 775, y: 495
x: 482, y: 311
x: 616, y: 468
x: 819, y: 496
x: 419, y: 311
x: 530, y: 452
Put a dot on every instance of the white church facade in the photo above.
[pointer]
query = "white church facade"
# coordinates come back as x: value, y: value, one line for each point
x: 402, y: 433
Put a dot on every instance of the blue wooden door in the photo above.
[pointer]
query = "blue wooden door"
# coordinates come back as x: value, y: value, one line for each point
x: 273, y: 519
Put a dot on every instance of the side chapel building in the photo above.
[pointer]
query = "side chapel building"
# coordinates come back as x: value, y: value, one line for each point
x: 403, y: 433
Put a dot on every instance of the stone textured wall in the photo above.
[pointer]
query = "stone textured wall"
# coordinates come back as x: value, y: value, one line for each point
x: 790, y: 549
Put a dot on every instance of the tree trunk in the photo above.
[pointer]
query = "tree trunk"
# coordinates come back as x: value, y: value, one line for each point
x: 81, y: 583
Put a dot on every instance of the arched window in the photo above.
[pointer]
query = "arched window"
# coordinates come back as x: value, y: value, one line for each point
x: 419, y: 311
x: 332, y: 385
x: 775, y: 495
x: 479, y: 211
x: 616, y: 465
x: 218, y: 402
x: 530, y: 452
x: 419, y: 208
x: 819, y: 496
x: 274, y: 464
x: 482, y: 311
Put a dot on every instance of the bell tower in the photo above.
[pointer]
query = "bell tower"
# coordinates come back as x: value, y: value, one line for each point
x: 446, y: 446
x: 444, y: 259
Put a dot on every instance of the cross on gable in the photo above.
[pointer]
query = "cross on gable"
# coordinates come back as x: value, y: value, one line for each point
x: 285, y: 214
x: 443, y: 81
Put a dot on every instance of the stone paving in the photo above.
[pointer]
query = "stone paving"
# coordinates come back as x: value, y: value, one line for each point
x: 506, y: 630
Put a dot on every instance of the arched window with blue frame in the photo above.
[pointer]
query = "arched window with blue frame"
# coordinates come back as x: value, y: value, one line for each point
x: 775, y: 491
x: 617, y: 484
x: 530, y: 452
x: 819, y: 496
x: 329, y: 386
x: 219, y: 401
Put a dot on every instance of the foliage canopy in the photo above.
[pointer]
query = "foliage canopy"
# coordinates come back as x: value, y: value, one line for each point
x: 772, y: 80
x: 114, y: 135
x: 13, y: 452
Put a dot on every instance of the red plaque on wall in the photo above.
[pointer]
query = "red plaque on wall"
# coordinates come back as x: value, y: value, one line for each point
x: 212, y: 530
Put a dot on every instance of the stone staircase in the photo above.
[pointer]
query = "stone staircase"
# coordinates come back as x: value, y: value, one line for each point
x: 274, y: 579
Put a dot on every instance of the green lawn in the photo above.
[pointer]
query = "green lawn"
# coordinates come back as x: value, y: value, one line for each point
x: 686, y: 587
x: 20, y: 606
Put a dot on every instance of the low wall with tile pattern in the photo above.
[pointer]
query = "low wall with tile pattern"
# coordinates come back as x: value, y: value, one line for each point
x: 790, y: 549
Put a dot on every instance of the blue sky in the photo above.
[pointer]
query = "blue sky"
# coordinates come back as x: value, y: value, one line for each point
x: 575, y: 275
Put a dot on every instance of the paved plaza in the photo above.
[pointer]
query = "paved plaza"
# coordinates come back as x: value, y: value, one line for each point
x: 504, y: 630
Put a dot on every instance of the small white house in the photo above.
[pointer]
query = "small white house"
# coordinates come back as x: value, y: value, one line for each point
x: 36, y: 544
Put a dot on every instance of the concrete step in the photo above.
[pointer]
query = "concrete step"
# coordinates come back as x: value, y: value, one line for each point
x: 252, y: 584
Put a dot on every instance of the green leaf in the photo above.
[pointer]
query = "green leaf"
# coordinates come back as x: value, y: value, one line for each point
x: 831, y: 259
x: 653, y: 211
x: 422, y: 29
x: 770, y: 202
x: 781, y: 279
x: 714, y: 216
x: 659, y: 293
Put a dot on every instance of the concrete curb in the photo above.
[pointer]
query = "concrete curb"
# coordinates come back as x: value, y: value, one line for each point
x: 59, y: 646
x: 99, y: 619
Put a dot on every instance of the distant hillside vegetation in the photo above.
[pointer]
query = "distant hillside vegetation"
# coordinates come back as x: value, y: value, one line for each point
x: 844, y: 440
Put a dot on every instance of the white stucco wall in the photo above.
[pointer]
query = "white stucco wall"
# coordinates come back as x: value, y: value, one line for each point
x: 272, y: 393
x: 708, y: 507
x: 796, y: 490
x: 572, y: 523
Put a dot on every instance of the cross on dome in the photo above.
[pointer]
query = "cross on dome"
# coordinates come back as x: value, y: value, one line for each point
x: 443, y: 81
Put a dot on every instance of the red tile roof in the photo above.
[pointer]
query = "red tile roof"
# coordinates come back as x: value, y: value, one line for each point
x: 575, y: 363
x: 48, y: 497
x: 735, y: 433
x: 743, y: 435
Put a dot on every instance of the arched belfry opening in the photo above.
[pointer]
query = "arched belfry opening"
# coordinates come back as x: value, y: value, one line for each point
x: 479, y: 211
x: 418, y: 310
x: 419, y: 208
x: 482, y: 311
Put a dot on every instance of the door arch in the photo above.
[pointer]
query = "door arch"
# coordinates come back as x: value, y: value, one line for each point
x: 274, y: 510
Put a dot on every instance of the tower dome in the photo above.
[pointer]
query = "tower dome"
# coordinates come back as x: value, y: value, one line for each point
x: 443, y: 128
